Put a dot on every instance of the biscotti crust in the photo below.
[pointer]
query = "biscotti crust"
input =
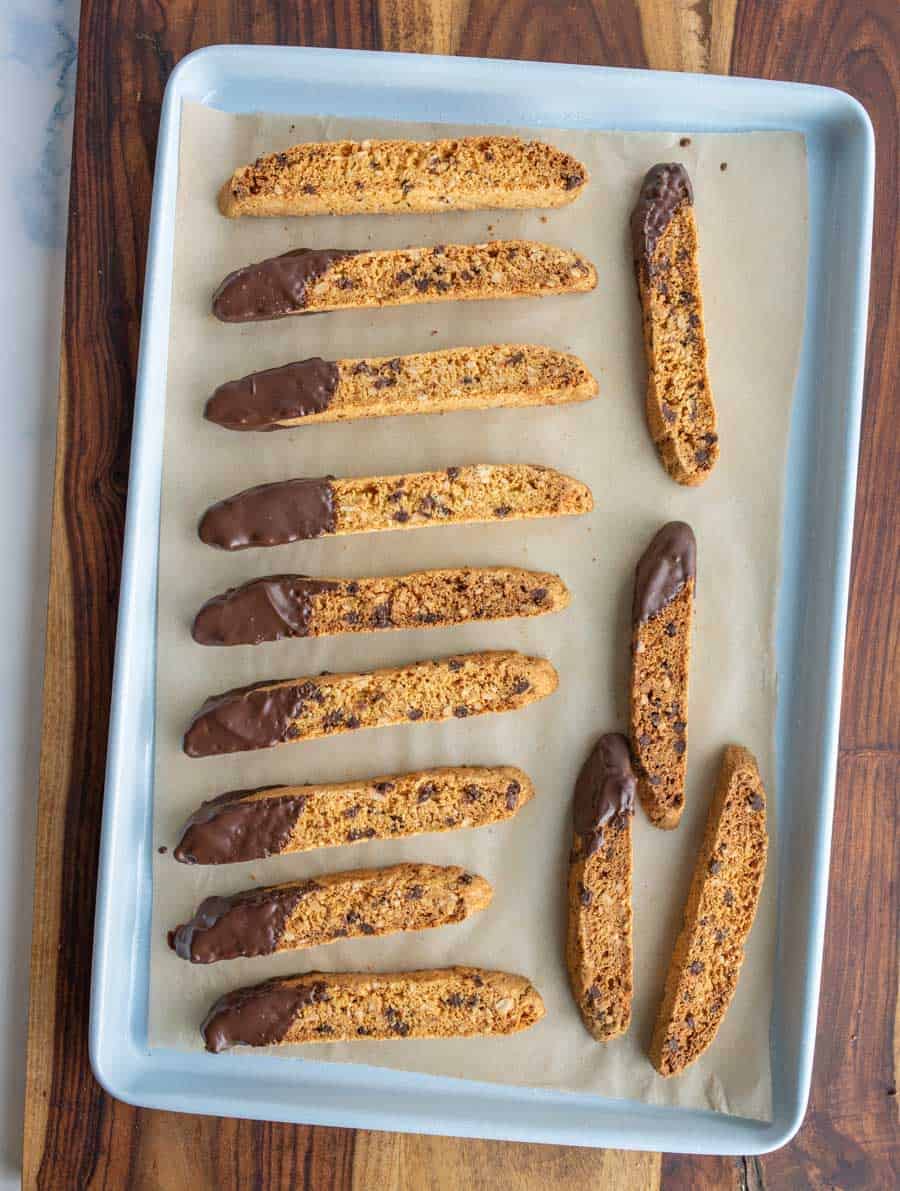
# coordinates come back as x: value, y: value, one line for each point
x: 301, y: 914
x: 395, y: 176
x: 681, y: 414
x: 286, y: 606
x: 352, y: 1006
x: 242, y: 825
x: 721, y: 905
x: 509, y: 375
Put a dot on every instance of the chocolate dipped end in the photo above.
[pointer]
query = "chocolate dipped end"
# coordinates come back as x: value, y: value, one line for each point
x: 664, y: 568
x: 270, y: 609
x: 263, y: 400
x: 243, y: 925
x: 604, y: 791
x: 258, y: 1016
x: 273, y: 288
x: 271, y: 515
x: 232, y: 827
x: 253, y: 717
x: 665, y: 189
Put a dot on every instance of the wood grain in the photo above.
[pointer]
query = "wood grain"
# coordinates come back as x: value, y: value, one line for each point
x: 75, y: 1135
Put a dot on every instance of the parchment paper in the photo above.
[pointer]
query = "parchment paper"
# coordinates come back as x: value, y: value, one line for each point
x: 752, y: 219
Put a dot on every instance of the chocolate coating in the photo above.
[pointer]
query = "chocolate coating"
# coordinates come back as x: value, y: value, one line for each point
x: 665, y: 188
x: 272, y: 288
x: 267, y: 609
x: 229, y: 828
x: 263, y: 400
x: 271, y: 514
x: 245, y: 924
x: 604, y: 790
x: 664, y: 568
x: 258, y: 1016
x: 250, y: 717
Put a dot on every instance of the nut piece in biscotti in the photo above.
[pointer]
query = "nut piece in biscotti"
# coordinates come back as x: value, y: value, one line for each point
x: 369, y: 1006
x: 510, y: 375
x: 289, y: 710
x: 721, y: 906
x: 310, y: 280
x: 297, y: 510
x: 382, y: 177
x: 681, y: 414
x: 282, y: 606
x: 300, y: 914
x: 660, y: 662
x: 598, y: 950
x: 253, y: 824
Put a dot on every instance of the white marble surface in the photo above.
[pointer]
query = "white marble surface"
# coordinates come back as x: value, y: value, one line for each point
x: 37, y: 89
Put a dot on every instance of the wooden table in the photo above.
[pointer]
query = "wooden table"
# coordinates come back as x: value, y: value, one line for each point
x: 78, y: 1137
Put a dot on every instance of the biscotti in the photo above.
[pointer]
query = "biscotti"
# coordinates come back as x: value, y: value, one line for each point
x: 281, y: 606
x: 382, y: 177
x: 721, y: 906
x: 681, y: 414
x: 287, y: 711
x: 662, y: 613
x: 509, y: 375
x: 253, y: 824
x: 354, y: 1006
x: 599, y: 949
x: 309, y: 280
x: 301, y: 914
x: 297, y: 510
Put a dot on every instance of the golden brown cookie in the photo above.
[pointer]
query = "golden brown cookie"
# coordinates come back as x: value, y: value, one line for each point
x: 681, y: 413
x: 721, y: 906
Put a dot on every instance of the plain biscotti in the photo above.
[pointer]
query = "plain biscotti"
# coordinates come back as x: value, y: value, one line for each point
x: 352, y: 1006
x: 300, y: 509
x: 379, y: 177
x: 301, y: 914
x: 311, y: 280
x: 598, y: 948
x: 282, y: 606
x: 252, y: 824
x: 662, y: 614
x: 287, y: 711
x: 681, y: 414
x: 721, y: 906
x: 510, y: 375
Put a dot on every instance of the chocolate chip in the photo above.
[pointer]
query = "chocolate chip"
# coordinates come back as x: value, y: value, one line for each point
x: 728, y: 897
x: 512, y: 796
x: 689, y: 1021
x: 643, y: 740
x: 351, y: 812
x: 452, y: 473
x: 488, y: 155
x: 405, y: 187
x: 460, y: 711
x: 654, y: 779
x: 502, y: 511
x: 402, y: 516
x: 655, y: 718
x: 449, y: 821
x: 402, y: 277
x: 414, y: 713
x: 694, y: 320
x: 515, y: 358
x: 428, y: 617
x: 384, y: 382
x: 469, y: 380
x: 584, y: 895
x: 679, y: 725
x: 455, y: 664
x: 755, y: 802
x: 570, y: 181
x: 324, y: 1028
x: 522, y: 685
x: 333, y: 719
x: 367, y: 928
x: 685, y: 141
x: 362, y: 1031
x: 719, y: 936
x: 345, y: 283
x: 538, y: 595
x: 679, y: 746
x: 466, y: 275
x: 414, y: 894
x: 427, y: 791
x: 381, y: 613
x: 454, y: 1000
x: 668, y: 413
x: 465, y: 879
x: 477, y: 980
x: 672, y: 1044
x: 715, y: 867
x: 472, y: 793
x: 363, y: 833
x: 696, y: 968
x: 671, y: 629
x: 353, y: 588
x: 422, y: 284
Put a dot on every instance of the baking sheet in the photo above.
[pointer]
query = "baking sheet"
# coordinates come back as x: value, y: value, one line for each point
x: 752, y: 219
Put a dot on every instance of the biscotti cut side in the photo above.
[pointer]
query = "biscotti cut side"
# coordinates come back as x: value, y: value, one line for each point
x: 301, y: 509
x: 724, y: 894
x: 301, y: 914
x: 284, y: 606
x: 316, y: 280
x: 288, y: 711
x: 379, y: 176
x: 495, y: 376
x: 352, y: 1006
x: 252, y: 824
x: 599, y: 940
x: 681, y: 414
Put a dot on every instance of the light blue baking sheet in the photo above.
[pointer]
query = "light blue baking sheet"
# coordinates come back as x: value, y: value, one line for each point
x: 812, y: 598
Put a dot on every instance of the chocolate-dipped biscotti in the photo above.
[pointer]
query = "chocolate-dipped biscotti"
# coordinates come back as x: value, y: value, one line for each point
x: 721, y: 906
x: 281, y: 606
x: 309, y: 280
x: 297, y: 510
x: 354, y: 1006
x: 511, y: 375
x: 681, y: 414
x: 598, y: 950
x: 289, y: 710
x: 662, y: 612
x: 381, y: 177
x: 253, y: 824
x: 301, y: 914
